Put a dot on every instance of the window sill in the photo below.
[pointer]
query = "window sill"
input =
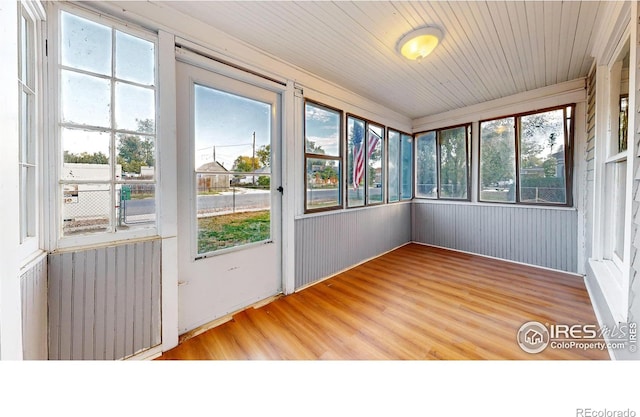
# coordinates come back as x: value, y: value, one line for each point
x: 31, y: 260
x: 105, y: 239
x: 348, y: 210
x: 485, y: 204
x: 610, y: 279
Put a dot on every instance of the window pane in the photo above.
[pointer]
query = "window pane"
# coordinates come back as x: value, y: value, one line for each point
x: 225, y: 128
x: 86, y: 208
x: 85, y: 155
x: 375, y: 151
x: 619, y: 201
x: 135, y: 59
x: 498, y: 160
x: 135, y: 108
x: 232, y: 158
x: 427, y: 185
x: 406, y: 166
x: 85, y: 44
x: 136, y: 204
x: 24, y: 51
x: 393, y: 164
x: 623, y: 120
x: 27, y: 202
x: 322, y: 183
x: 86, y: 100
x: 355, y: 163
x: 322, y: 130
x: 136, y: 156
x: 25, y: 132
x: 542, y: 159
x: 453, y: 163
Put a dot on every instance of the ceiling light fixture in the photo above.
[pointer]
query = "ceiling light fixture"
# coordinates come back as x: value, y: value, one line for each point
x: 419, y: 43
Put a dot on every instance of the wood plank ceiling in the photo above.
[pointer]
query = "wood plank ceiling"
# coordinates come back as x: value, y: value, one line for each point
x: 489, y: 50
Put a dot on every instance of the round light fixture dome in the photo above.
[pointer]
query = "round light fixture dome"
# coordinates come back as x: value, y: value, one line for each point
x: 419, y: 43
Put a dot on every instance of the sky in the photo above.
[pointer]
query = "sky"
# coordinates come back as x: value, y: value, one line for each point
x: 323, y: 128
x: 223, y: 121
x: 87, y: 53
x: 227, y: 122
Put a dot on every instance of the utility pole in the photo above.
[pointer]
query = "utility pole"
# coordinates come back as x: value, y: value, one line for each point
x: 253, y: 158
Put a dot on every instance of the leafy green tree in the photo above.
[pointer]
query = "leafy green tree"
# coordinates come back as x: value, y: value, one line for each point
x: 245, y: 164
x: 498, y: 152
x: 313, y: 148
x: 264, y: 155
x: 329, y: 173
x: 426, y: 168
x: 453, y: 161
x: 136, y: 151
x: 85, y: 158
x: 549, y: 166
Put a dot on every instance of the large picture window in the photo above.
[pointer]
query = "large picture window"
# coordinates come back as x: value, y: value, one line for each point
x: 365, y: 163
x: 323, y: 157
x: 442, y: 163
x: 107, y: 126
x: 527, y: 158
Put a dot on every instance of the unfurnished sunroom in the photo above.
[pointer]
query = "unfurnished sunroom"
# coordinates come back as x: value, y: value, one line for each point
x: 294, y: 180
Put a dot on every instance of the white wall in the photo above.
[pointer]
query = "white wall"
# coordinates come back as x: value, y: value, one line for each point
x: 10, y: 293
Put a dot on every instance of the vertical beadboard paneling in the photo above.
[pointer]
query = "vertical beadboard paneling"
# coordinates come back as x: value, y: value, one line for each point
x: 33, y: 283
x: 536, y: 236
x: 330, y: 243
x: 104, y: 303
x: 590, y: 160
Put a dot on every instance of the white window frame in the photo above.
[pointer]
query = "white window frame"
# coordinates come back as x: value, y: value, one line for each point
x: 54, y: 151
x: 30, y: 198
x: 612, y: 272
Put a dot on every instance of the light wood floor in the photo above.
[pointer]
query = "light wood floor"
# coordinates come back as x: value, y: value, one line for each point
x: 417, y: 302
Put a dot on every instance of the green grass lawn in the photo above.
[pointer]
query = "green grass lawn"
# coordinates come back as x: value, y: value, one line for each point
x: 229, y: 230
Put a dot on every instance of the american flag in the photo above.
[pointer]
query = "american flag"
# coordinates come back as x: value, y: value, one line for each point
x: 358, y: 151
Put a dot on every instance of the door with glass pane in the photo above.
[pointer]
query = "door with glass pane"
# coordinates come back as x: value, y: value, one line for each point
x: 229, y: 205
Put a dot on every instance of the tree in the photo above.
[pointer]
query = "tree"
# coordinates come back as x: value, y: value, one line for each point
x: 264, y: 155
x: 135, y: 151
x: 497, y: 152
x: 552, y: 141
x: 85, y: 158
x: 453, y: 161
x: 426, y: 168
x: 549, y: 166
x: 313, y: 148
x: 246, y: 164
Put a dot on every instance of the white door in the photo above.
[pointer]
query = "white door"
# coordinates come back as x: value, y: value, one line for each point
x: 229, y: 208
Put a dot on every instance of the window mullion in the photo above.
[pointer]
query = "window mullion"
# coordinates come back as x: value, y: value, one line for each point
x: 438, y: 167
x: 517, y: 157
x: 112, y: 151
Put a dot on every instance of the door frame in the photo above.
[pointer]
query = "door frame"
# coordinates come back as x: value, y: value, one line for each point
x: 288, y: 103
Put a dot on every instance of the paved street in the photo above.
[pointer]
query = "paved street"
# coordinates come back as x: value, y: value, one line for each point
x: 241, y: 200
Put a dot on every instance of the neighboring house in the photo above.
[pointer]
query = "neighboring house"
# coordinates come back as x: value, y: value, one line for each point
x: 213, y: 176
